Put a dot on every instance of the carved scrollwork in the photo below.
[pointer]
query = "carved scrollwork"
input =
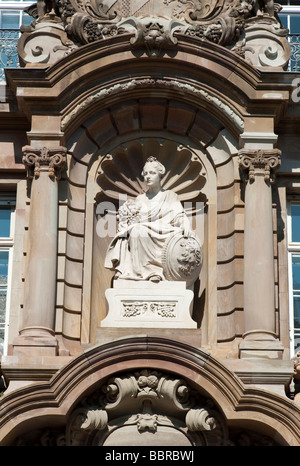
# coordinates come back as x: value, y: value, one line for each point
x: 200, y: 419
x: 260, y: 162
x: 154, y: 25
x: 146, y: 400
x: 52, y: 159
x: 83, y: 421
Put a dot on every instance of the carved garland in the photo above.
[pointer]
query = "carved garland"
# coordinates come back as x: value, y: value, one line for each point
x: 157, y: 83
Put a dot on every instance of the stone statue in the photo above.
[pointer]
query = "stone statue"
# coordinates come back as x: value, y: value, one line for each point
x: 145, y: 226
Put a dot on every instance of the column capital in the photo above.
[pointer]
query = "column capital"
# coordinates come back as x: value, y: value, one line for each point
x: 260, y: 161
x: 51, y: 159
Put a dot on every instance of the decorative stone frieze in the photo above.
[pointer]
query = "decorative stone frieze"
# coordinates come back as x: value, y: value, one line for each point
x: 260, y: 162
x: 188, y: 88
x: 50, y: 159
x: 167, y: 304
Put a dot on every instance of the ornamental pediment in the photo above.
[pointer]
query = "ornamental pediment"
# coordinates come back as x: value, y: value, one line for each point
x: 185, y: 10
x: 250, y: 28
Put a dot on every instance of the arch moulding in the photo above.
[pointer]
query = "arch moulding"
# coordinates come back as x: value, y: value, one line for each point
x: 53, y: 403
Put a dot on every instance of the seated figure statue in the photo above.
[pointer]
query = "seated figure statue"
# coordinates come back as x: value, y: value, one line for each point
x: 145, y: 225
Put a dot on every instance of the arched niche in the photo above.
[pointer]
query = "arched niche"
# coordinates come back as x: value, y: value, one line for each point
x: 118, y: 177
x: 105, y: 162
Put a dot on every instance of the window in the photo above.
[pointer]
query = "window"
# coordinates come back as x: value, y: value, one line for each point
x: 294, y: 274
x: 290, y: 19
x: 12, y: 17
x: 7, y: 209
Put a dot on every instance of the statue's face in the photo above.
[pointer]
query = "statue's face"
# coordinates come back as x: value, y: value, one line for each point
x: 151, y: 174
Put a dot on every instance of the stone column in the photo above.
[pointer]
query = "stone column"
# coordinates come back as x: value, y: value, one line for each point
x: 37, y: 333
x: 259, y: 339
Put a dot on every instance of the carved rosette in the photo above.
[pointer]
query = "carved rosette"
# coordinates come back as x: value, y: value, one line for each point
x: 146, y: 400
x: 52, y: 160
x: 260, y: 162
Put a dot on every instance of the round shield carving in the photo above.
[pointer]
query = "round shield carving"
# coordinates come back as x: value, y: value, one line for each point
x: 182, y: 258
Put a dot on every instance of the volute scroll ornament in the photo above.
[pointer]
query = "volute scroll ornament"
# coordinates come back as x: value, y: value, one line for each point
x: 51, y: 159
x: 146, y: 401
x: 262, y: 161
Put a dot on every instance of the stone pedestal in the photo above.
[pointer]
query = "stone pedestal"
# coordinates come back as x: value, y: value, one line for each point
x: 268, y: 349
x: 144, y: 304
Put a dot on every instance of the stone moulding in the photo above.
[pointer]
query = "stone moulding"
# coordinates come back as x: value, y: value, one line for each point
x: 135, y: 84
x: 98, y: 365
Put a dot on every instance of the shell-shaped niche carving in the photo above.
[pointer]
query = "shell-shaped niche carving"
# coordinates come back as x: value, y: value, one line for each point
x: 120, y: 172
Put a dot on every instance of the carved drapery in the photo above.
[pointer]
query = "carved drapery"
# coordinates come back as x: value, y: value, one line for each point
x: 51, y: 159
x: 260, y: 162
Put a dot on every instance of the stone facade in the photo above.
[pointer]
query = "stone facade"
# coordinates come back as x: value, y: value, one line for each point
x: 203, y: 87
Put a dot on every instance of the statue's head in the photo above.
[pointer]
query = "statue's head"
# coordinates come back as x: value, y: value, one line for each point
x: 158, y: 166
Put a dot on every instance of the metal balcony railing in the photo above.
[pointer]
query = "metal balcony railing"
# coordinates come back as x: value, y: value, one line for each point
x: 8, y: 50
x: 294, y: 40
x: 9, y: 55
